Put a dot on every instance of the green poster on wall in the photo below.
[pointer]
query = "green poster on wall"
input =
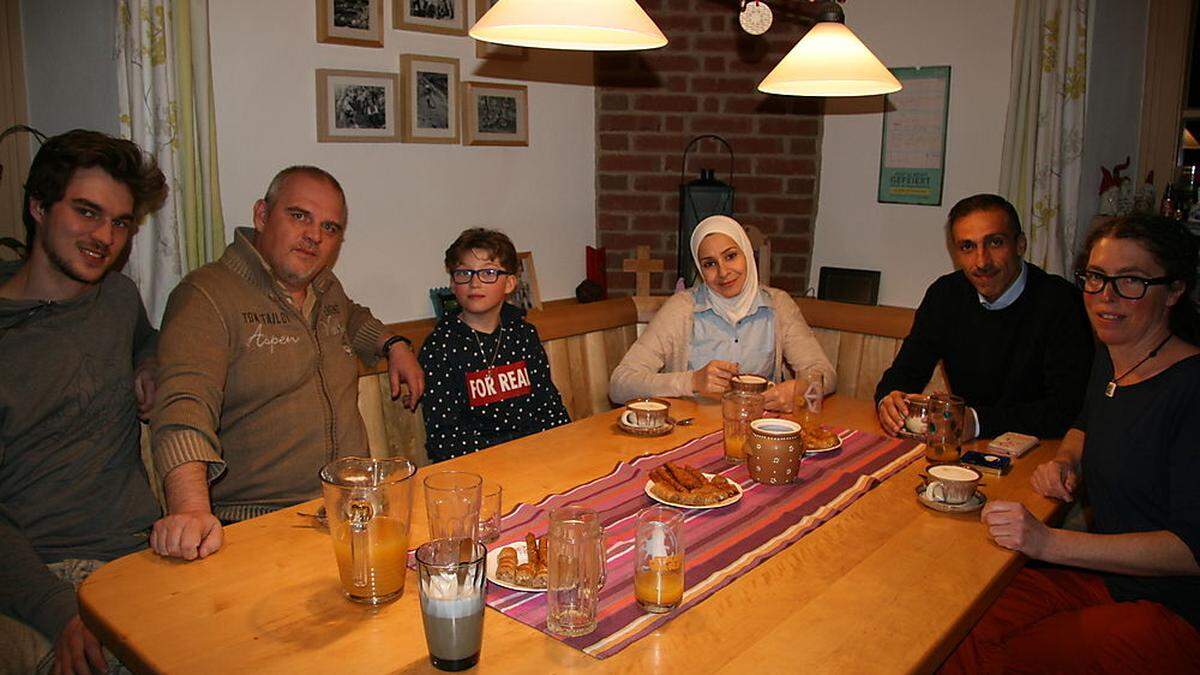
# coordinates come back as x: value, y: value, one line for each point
x: 913, y: 153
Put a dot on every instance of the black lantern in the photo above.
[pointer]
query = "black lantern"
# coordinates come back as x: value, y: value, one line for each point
x: 698, y: 199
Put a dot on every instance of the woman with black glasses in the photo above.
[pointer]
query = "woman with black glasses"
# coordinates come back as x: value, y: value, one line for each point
x: 1125, y: 595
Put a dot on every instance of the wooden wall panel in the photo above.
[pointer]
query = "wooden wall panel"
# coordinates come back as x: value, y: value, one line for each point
x: 370, y: 406
x: 876, y: 356
x: 830, y: 341
x: 560, y: 371
x: 577, y: 377
x: 15, y: 151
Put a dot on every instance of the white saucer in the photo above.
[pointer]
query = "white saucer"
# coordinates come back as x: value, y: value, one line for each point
x: 721, y: 504
x: 493, y: 557
x: 975, y: 503
x: 647, y: 432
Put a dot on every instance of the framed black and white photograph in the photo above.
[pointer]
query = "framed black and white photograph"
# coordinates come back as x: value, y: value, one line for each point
x: 430, y: 99
x: 527, y: 294
x: 448, y: 17
x: 357, y: 106
x: 491, y: 50
x: 495, y: 114
x: 443, y: 301
x: 350, y: 22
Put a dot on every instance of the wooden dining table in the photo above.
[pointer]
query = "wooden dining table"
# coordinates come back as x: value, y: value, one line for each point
x: 885, y: 586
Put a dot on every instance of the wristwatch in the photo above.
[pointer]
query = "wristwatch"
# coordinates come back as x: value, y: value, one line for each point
x: 387, y: 345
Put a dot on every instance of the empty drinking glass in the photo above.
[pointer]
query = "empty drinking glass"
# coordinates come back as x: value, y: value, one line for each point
x: 576, y: 570
x: 452, y: 504
x: 490, y: 506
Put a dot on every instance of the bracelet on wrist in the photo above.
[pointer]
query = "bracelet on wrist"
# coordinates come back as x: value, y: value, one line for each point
x: 387, y: 345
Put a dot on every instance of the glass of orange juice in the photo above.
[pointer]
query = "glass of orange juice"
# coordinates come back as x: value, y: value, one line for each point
x: 739, y: 408
x: 658, y: 571
x: 369, y: 505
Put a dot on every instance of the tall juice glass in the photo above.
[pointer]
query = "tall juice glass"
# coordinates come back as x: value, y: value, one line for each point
x: 369, y: 506
x: 809, y: 398
x: 658, y: 566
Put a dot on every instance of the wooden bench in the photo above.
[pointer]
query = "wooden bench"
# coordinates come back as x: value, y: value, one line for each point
x: 584, y: 343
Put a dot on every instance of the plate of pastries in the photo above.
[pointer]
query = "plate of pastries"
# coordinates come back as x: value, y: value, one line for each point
x: 820, y: 439
x: 688, y: 488
x: 520, y: 566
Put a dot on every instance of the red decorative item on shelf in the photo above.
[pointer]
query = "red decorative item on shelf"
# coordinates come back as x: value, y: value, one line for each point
x: 596, y: 259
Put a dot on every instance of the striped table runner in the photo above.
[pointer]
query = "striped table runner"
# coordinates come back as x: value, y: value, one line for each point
x: 720, y: 544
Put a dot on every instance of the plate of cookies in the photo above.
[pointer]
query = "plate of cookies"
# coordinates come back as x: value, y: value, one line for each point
x: 687, y: 488
x: 520, y: 566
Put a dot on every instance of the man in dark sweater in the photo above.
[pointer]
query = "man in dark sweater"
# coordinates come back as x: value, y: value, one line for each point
x: 77, y: 355
x: 1014, y: 341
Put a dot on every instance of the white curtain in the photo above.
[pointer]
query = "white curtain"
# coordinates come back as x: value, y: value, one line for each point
x: 1043, y: 136
x: 165, y: 97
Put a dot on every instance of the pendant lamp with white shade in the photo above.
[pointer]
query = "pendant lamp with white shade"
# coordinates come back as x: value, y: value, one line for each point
x: 830, y: 60
x: 594, y: 25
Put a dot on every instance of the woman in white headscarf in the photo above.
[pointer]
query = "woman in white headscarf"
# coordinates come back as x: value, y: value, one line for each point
x: 727, y: 325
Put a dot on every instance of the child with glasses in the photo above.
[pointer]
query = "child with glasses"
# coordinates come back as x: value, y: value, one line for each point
x: 487, y: 376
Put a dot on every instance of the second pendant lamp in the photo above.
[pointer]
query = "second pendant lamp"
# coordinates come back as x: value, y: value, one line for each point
x: 830, y: 60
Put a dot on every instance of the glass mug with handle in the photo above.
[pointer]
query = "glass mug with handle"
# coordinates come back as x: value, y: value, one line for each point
x: 738, y: 409
x: 368, y: 503
x: 944, y: 428
x: 577, y: 570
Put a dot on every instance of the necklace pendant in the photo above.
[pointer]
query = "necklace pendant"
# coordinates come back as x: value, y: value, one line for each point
x: 1110, y: 389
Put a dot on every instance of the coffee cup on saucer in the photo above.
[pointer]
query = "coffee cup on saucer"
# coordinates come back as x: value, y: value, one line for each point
x: 751, y: 384
x: 951, y: 484
x: 646, y: 413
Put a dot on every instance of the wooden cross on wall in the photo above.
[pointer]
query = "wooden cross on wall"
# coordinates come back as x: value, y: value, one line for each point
x: 642, y: 266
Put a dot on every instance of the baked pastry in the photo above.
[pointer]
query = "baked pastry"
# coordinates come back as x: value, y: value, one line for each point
x: 533, y: 572
x: 506, y: 565
x: 683, y: 484
x: 525, y: 574
x: 819, y: 438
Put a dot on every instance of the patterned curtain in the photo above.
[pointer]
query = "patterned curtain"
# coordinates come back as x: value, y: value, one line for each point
x: 166, y: 104
x: 1043, y: 136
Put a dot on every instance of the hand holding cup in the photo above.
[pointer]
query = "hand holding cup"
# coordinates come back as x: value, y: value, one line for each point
x: 892, y: 413
x: 713, y: 379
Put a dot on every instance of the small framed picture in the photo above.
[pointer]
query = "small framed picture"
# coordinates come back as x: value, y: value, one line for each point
x: 490, y: 50
x: 527, y: 295
x: 357, y: 106
x: 350, y: 22
x: 495, y: 114
x: 430, y: 99
x: 448, y: 17
x: 443, y: 300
